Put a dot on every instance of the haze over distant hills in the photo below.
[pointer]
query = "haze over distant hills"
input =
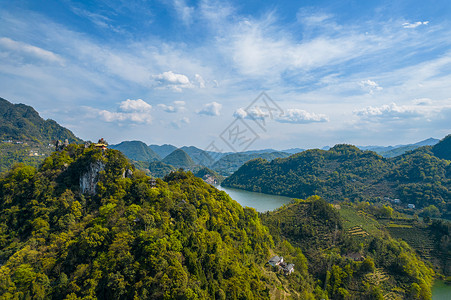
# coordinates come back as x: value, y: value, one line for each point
x: 392, y: 151
x: 22, y: 122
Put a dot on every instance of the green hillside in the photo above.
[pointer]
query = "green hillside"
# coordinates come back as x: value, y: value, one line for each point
x: 230, y: 163
x: 443, y: 148
x: 25, y: 137
x: 87, y: 225
x: 199, y: 156
x: 182, y: 239
x: 20, y: 122
x: 345, y: 173
x: 136, y: 150
x: 348, y: 265
x: 160, y: 169
x: 163, y: 150
x: 206, y: 173
x: 179, y: 159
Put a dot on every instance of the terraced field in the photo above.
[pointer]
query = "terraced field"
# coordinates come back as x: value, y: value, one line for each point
x: 358, y: 223
x: 377, y: 277
x: 357, y: 231
x: 417, y: 238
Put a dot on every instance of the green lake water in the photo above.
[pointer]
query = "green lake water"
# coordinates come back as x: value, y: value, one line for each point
x: 261, y: 202
x: 441, y: 291
x: 264, y: 202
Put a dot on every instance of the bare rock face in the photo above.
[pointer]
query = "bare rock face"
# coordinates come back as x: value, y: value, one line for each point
x: 127, y: 173
x: 88, y: 181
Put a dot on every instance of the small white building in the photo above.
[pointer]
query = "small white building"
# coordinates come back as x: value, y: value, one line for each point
x: 275, y: 260
x: 412, y: 206
x: 289, y: 269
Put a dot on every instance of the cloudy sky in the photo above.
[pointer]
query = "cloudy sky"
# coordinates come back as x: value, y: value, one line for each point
x: 193, y: 72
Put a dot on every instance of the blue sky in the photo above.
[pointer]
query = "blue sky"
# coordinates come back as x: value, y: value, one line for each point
x: 181, y: 72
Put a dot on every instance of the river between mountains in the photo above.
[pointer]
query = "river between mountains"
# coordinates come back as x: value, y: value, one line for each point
x: 261, y: 202
x: 264, y: 202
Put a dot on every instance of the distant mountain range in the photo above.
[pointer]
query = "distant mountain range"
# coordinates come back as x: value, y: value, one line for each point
x: 163, y: 150
x: 225, y: 164
x: 229, y: 163
x: 421, y: 177
x: 161, y: 160
x: 20, y: 124
x: 193, y: 158
x: 392, y: 151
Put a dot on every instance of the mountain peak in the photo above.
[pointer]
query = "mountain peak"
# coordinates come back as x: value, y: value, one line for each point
x: 179, y: 159
x: 21, y: 122
x: 136, y: 150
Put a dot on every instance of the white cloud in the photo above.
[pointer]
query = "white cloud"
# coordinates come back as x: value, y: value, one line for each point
x: 30, y: 50
x: 134, y: 111
x: 184, y: 11
x: 310, y: 18
x: 299, y: 116
x: 254, y: 113
x: 370, y: 85
x: 261, y: 48
x: 178, y: 106
x: 167, y: 108
x: 179, y: 103
x: 291, y: 115
x: 211, y: 109
x: 389, y: 112
x: 97, y: 19
x: 180, y: 123
x: 414, y: 25
x: 200, y: 81
x: 240, y: 113
x: 422, y: 101
x: 134, y: 105
x: 172, y: 80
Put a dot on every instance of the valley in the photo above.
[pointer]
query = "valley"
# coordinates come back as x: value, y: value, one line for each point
x: 355, y: 224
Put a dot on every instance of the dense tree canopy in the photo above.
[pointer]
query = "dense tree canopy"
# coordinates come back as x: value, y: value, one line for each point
x: 346, y: 173
x: 182, y: 239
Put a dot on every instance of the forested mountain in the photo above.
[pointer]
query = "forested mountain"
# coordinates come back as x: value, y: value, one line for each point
x: 136, y: 150
x: 163, y: 150
x: 179, y: 159
x: 392, y: 151
x: 346, y: 173
x: 230, y: 163
x: 293, y: 150
x: 87, y: 225
x: 25, y: 136
x: 20, y: 122
x: 209, y: 175
x: 159, y: 169
x: 191, y: 158
x: 443, y: 148
x: 199, y: 156
x: 350, y: 263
